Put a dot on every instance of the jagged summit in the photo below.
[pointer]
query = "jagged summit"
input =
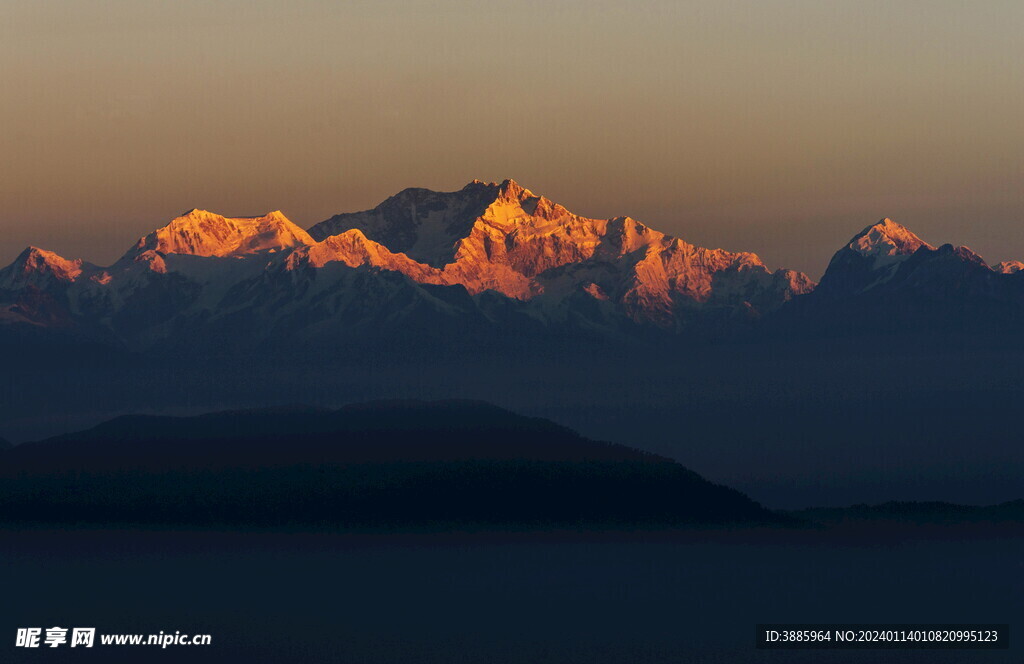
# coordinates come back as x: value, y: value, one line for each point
x: 512, y: 190
x: 207, y: 213
x: 963, y: 253
x: 203, y: 233
x: 441, y: 228
x: 32, y: 288
x: 354, y: 249
x: 426, y: 225
x: 1008, y: 267
x: 886, y: 239
x: 507, y: 186
x: 871, y: 258
x: 504, y: 237
x: 34, y: 263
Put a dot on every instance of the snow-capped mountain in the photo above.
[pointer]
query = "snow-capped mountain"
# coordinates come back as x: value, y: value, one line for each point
x: 488, y: 253
x: 202, y: 233
x: 886, y: 259
x: 871, y: 258
x: 39, y: 268
x: 505, y: 238
x: 1008, y: 267
x: 36, y: 286
x: 888, y: 281
x: 490, y: 256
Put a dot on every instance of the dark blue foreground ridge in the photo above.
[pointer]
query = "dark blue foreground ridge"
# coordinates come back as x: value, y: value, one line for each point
x: 379, y: 465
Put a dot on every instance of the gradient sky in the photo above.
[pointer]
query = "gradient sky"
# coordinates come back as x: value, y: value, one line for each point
x: 780, y: 127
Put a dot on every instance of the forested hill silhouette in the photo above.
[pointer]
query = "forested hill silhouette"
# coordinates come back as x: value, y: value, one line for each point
x: 380, y: 465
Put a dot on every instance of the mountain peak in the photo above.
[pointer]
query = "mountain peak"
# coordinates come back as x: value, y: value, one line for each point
x: 198, y: 213
x: 507, y: 190
x: 964, y: 253
x: 1008, y: 267
x: 204, y: 233
x: 36, y: 260
x: 512, y: 190
x: 886, y: 240
x: 504, y: 184
x: 427, y: 225
x: 887, y: 255
x: 40, y: 269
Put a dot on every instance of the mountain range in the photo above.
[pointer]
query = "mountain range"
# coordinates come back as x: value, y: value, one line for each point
x: 488, y: 256
x: 894, y: 378
x: 491, y: 256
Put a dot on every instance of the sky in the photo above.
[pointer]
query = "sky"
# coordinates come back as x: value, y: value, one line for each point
x: 781, y: 127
